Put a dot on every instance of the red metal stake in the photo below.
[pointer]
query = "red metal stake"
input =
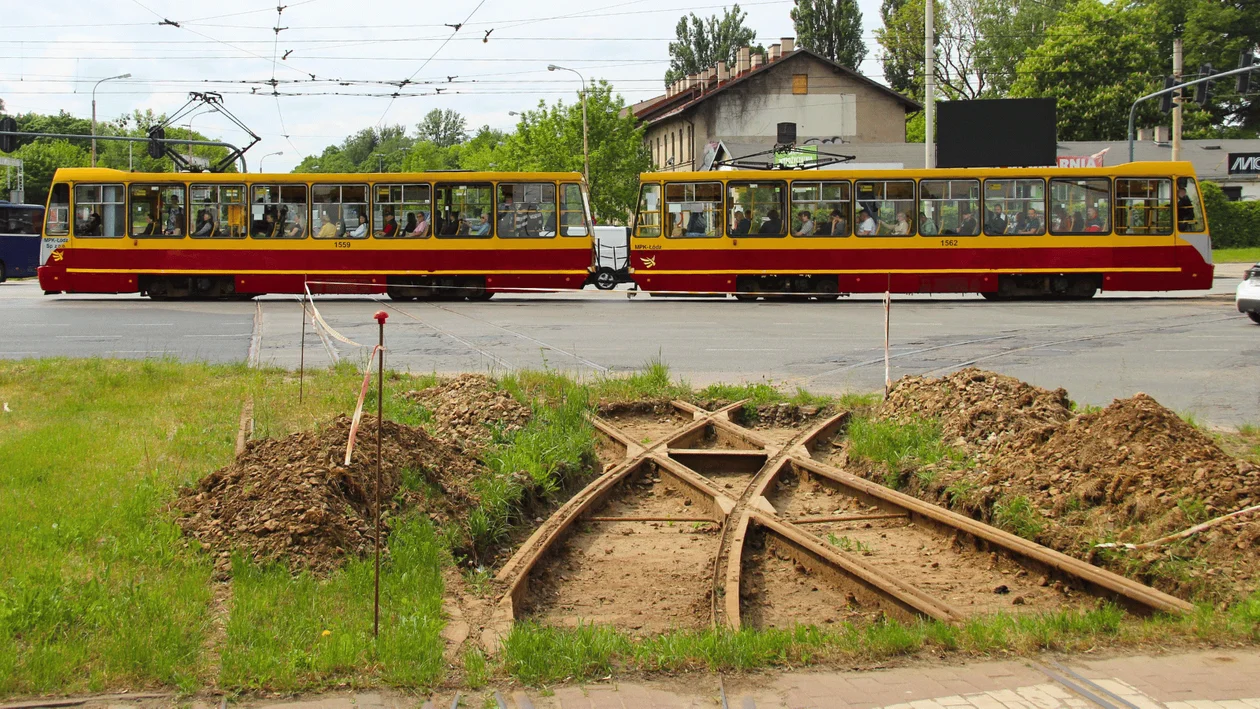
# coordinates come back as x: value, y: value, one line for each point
x: 380, y: 316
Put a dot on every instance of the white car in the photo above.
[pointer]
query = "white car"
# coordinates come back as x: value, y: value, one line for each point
x: 1248, y: 295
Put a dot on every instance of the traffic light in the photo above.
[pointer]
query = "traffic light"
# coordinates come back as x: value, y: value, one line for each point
x: 157, y: 149
x: 1245, y: 59
x: 1166, y: 101
x: 8, y: 142
x: 1201, y: 90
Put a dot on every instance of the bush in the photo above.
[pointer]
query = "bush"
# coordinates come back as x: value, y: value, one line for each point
x: 1233, y: 224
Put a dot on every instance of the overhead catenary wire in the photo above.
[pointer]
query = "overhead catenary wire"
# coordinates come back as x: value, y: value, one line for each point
x: 430, y: 59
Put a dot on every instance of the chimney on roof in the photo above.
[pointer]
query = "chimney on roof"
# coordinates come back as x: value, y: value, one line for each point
x: 693, y: 80
x: 789, y: 44
x: 710, y: 76
x: 722, y: 74
x: 742, y: 60
x: 758, y: 60
x: 773, y: 52
x: 1162, y: 134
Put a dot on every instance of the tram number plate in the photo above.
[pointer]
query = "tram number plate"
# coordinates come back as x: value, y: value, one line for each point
x: 341, y: 244
x: 949, y: 242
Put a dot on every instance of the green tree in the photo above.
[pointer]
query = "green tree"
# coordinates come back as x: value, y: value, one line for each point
x: 701, y: 44
x: 1096, y: 59
x: 550, y: 138
x: 897, y: 72
x: 40, y: 160
x: 368, y: 150
x: 902, y: 40
x: 1009, y: 29
x: 960, y: 74
x: 443, y: 127
x: 832, y: 28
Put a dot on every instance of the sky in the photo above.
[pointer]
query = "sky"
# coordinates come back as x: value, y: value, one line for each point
x: 54, y: 51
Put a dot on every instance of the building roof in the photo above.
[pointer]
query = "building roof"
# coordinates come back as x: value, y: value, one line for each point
x: 663, y: 107
x: 1209, y: 156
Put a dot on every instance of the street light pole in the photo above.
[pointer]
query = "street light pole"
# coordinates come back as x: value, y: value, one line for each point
x: 260, y: 160
x: 108, y: 78
x: 586, y: 153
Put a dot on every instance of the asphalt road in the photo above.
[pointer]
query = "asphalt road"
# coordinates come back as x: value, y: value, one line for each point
x: 1193, y: 352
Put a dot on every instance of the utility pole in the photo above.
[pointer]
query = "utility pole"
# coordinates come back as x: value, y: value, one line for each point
x: 929, y: 85
x: 1176, y: 111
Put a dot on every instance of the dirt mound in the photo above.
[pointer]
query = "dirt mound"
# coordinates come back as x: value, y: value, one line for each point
x: 292, y: 499
x: 984, y: 409
x: 469, y: 409
x: 644, y: 407
x: 784, y: 415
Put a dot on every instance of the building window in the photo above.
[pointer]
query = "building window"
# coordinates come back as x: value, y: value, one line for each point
x: 800, y: 83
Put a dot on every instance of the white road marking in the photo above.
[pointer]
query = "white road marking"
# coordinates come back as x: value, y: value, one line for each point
x: 89, y: 337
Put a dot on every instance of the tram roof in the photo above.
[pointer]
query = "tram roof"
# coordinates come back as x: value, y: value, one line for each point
x: 1132, y: 169
x: 102, y: 174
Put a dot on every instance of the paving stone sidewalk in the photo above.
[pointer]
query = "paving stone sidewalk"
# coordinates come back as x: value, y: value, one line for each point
x: 1208, y: 679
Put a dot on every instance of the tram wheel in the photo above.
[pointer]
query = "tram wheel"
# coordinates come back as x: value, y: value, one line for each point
x: 1255, y: 317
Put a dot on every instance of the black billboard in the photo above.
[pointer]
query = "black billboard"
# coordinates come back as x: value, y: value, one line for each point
x: 1014, y: 132
x: 1244, y: 163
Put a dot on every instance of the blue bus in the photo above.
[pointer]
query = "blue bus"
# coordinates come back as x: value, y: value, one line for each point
x: 20, y: 226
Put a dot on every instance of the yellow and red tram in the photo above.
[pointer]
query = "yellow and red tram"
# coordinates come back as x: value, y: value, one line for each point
x: 413, y: 235
x: 1062, y: 232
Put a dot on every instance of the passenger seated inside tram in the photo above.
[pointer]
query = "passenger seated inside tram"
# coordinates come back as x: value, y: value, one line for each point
x: 150, y: 225
x: 837, y: 225
x: 676, y: 227
x: 995, y: 220
x: 390, y: 228
x: 1029, y: 222
x: 865, y: 223
x: 266, y: 228
x: 696, y: 225
x: 807, y: 228
x: 327, y: 229
x: 461, y: 226
x: 483, y: 226
x: 968, y: 226
x: 297, y: 230
x: 451, y: 225
x: 361, y: 230
x: 742, y: 224
x: 772, y: 224
x: 1094, y: 221
x: 927, y: 227
x: 1059, y: 219
x: 901, y: 227
x: 205, y: 223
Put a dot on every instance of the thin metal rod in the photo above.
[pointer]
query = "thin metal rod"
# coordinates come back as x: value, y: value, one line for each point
x: 1170, y: 89
x: 302, y: 355
x: 650, y: 519
x: 848, y: 518
x: 887, y: 318
x: 380, y: 423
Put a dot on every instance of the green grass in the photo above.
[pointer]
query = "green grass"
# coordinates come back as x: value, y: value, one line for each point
x: 1018, y: 516
x: 898, y: 446
x: 536, y: 655
x: 1244, y: 255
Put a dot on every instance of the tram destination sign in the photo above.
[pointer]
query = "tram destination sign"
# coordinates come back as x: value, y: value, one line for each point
x: 1244, y: 163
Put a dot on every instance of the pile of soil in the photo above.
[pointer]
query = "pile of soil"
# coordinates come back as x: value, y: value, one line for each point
x: 293, y: 500
x: 784, y: 415
x: 1132, y: 472
x: 984, y: 409
x: 469, y: 409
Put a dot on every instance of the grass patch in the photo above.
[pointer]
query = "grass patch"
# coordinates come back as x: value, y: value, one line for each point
x: 536, y: 655
x: 1243, y: 255
x: 1018, y: 516
x: 898, y: 446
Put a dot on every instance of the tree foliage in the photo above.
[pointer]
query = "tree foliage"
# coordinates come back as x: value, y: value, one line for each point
x: 1007, y: 30
x: 1095, y: 75
x: 443, y: 127
x: 550, y: 138
x: 701, y: 44
x: 902, y: 40
x: 959, y: 71
x: 832, y: 28
x: 368, y: 150
x: 42, y: 156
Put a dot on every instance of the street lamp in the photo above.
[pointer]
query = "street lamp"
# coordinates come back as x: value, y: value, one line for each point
x: 190, y: 133
x: 108, y: 78
x: 586, y: 153
x: 260, y: 160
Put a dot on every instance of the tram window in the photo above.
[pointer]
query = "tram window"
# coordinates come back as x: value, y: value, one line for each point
x: 100, y: 210
x: 889, y: 208
x: 694, y: 208
x: 648, y: 221
x: 526, y: 210
x: 573, y: 221
x: 279, y: 212
x: 824, y: 204
x: 218, y: 211
x: 756, y: 208
x: 390, y: 209
x: 945, y: 204
x: 1006, y: 205
x: 157, y: 211
x: 1144, y: 206
x: 337, y: 209
x: 57, y: 221
x: 1189, y: 206
x: 1080, y: 206
x: 463, y: 211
